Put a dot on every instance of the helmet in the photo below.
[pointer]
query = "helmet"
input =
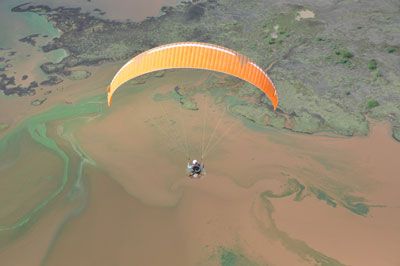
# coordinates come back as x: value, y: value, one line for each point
x: 194, y: 161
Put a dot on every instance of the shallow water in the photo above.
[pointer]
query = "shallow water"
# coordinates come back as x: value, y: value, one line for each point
x: 27, y: 58
x: 135, y: 10
x: 18, y: 25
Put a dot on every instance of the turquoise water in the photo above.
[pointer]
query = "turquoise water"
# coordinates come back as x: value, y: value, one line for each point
x: 17, y: 25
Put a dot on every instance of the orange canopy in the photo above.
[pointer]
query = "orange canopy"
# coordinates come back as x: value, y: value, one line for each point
x: 195, y: 55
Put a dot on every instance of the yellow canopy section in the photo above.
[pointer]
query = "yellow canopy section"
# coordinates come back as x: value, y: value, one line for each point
x: 195, y: 55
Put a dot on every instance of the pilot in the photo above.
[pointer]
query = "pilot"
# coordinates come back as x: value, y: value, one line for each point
x: 195, y: 169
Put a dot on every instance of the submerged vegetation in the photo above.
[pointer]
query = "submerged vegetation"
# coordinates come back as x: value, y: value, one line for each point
x: 229, y: 257
x: 322, y: 195
x: 292, y: 186
x: 333, y: 199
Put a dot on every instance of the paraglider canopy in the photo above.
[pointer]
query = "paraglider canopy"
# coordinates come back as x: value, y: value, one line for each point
x: 199, y: 56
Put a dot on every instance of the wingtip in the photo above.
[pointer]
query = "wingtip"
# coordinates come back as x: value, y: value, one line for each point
x: 109, y: 99
x: 275, y: 104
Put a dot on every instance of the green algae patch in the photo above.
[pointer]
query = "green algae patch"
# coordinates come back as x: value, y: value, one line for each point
x: 306, y: 123
x: 225, y: 256
x: 37, y: 129
x: 252, y: 113
x: 322, y: 195
x: 56, y: 56
x: 159, y: 97
x: 396, y: 132
x: 356, y: 205
x: 39, y: 101
x: 77, y: 74
x: 185, y: 99
x: 291, y: 187
x: 230, y: 257
x: 261, y: 114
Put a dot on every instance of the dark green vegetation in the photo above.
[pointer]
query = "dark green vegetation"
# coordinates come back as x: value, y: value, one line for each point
x: 372, y: 64
x: 372, y: 104
x: 38, y: 101
x: 53, y: 80
x: 321, y: 73
x: 321, y: 195
x: 344, y: 56
x: 30, y: 39
x: 356, y: 205
x: 9, y: 87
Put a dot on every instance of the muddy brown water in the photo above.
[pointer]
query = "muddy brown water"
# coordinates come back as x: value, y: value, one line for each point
x: 143, y: 210
x: 150, y: 207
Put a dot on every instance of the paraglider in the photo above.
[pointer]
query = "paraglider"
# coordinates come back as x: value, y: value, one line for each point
x: 194, y: 55
x: 197, y: 56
